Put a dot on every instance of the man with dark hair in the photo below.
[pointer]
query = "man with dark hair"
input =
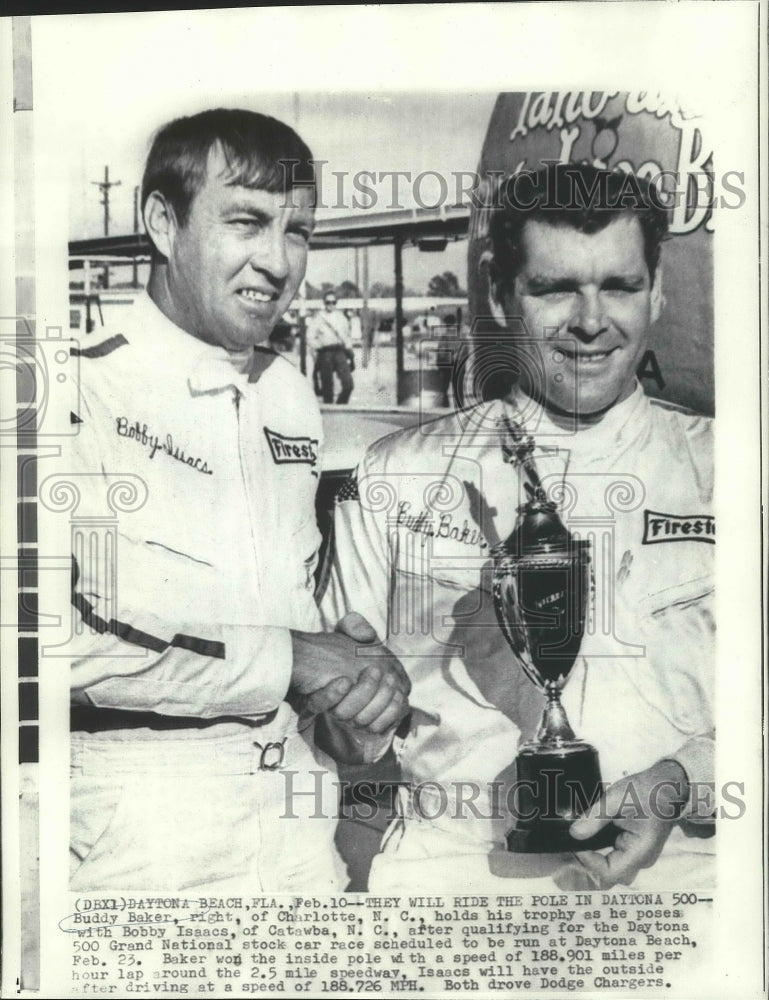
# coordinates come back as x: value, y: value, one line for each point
x: 558, y: 221
x: 577, y: 284
x: 259, y: 152
x: 198, y: 615
x: 581, y: 197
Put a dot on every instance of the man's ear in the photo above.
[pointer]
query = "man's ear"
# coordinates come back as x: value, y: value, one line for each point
x: 657, y: 298
x: 496, y: 294
x: 160, y: 223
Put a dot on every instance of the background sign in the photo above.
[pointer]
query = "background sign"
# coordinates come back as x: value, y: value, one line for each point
x: 652, y: 137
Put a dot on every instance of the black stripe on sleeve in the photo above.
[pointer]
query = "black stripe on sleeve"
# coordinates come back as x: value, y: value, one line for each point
x: 99, y: 350
x: 204, y: 647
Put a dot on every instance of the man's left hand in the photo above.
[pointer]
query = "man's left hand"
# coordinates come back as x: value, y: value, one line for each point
x: 644, y: 806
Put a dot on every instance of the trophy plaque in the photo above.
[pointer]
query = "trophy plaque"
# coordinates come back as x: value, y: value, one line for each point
x: 541, y: 588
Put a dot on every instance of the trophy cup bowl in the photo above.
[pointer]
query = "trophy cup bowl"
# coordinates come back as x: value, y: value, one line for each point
x: 541, y: 589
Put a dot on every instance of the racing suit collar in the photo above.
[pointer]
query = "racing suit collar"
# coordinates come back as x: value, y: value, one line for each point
x: 206, y: 367
x: 621, y: 421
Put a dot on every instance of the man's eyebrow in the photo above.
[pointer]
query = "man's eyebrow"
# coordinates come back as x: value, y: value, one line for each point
x: 630, y: 281
x: 245, y: 208
x: 303, y: 218
x: 539, y: 283
x: 543, y: 283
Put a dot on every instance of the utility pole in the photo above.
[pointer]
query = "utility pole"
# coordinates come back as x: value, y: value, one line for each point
x: 400, y: 374
x: 104, y: 187
x: 367, y: 320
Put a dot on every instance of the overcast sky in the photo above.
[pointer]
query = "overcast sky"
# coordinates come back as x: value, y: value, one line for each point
x: 371, y: 88
x: 130, y: 73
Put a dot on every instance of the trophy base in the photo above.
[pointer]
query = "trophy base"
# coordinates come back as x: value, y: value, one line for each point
x: 556, y: 785
x: 549, y: 839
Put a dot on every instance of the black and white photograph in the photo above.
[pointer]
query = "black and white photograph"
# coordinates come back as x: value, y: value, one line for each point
x: 373, y: 380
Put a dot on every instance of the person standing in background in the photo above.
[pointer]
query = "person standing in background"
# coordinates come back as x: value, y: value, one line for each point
x: 328, y: 336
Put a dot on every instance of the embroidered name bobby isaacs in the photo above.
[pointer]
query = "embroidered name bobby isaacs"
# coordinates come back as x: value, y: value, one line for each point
x: 137, y: 432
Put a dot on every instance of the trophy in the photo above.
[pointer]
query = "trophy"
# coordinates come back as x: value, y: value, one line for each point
x: 542, y: 582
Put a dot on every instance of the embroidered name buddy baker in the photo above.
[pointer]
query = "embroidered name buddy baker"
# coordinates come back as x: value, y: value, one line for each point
x: 139, y: 432
x: 424, y: 524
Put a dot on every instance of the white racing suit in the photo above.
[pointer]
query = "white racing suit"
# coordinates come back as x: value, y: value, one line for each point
x: 413, y: 536
x: 194, y: 543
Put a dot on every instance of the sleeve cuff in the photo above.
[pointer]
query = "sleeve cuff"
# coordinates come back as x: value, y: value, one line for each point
x: 697, y: 758
x: 257, y: 672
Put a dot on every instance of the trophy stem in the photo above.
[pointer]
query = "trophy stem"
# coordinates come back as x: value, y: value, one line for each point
x: 554, y: 729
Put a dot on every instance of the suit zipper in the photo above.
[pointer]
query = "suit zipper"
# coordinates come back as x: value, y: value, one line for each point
x: 249, y: 502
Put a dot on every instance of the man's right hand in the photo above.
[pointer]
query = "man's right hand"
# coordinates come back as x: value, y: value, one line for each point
x: 368, y: 693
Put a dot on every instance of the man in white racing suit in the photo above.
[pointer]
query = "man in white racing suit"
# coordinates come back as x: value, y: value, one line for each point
x: 195, y: 611
x: 579, y: 287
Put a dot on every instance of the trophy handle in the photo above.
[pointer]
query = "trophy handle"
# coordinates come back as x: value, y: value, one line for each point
x: 554, y: 729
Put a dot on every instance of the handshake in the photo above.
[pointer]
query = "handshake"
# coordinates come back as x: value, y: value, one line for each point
x: 361, y: 700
